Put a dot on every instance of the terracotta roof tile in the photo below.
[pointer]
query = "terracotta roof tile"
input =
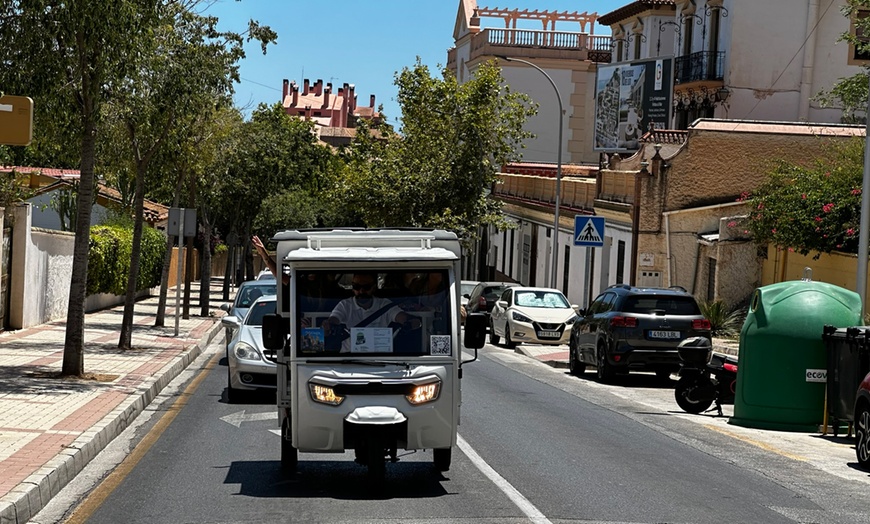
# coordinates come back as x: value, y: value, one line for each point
x: 632, y: 9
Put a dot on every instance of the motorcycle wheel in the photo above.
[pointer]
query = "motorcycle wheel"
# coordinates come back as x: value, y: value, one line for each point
x: 289, y: 454
x: 683, y: 393
x: 862, y: 436
x: 377, y: 464
x: 442, y: 458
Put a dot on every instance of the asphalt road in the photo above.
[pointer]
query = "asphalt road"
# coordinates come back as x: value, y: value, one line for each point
x: 536, y: 445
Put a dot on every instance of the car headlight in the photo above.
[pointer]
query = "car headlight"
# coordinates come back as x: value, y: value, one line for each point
x: 519, y: 317
x: 324, y: 394
x: 571, y: 320
x: 424, y: 393
x: 244, y: 351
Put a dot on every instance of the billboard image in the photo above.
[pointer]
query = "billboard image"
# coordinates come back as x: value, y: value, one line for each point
x: 629, y: 97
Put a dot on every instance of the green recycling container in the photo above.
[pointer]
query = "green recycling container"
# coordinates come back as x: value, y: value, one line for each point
x: 783, y: 361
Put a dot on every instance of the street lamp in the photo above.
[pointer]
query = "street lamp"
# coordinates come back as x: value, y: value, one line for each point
x: 558, y: 168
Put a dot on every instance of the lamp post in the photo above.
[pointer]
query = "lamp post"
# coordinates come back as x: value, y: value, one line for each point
x: 558, y: 168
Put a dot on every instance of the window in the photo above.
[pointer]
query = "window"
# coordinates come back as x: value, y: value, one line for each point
x: 859, y: 18
x: 711, y: 279
x: 620, y: 261
x: 638, y: 37
x: 688, y: 23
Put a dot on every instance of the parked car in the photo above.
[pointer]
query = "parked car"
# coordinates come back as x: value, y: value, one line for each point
x: 630, y: 328
x: 862, y: 423
x: 265, y: 274
x: 465, y: 289
x: 484, y: 295
x: 536, y: 315
x: 246, y: 295
x: 249, y: 365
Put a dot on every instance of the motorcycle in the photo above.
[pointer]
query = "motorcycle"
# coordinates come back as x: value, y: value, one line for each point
x: 705, y: 377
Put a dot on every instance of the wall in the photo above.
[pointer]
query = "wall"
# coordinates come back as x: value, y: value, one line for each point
x: 839, y: 269
x: 41, y: 269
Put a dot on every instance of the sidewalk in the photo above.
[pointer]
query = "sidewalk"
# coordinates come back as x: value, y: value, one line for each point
x: 557, y: 356
x: 50, y: 427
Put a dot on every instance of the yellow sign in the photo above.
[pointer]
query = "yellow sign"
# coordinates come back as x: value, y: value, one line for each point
x: 16, y: 120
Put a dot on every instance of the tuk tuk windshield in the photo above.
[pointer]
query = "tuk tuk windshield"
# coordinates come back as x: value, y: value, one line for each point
x: 373, y: 312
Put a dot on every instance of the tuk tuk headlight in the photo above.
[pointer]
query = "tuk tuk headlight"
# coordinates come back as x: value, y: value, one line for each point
x: 424, y: 393
x: 324, y: 394
x: 244, y: 351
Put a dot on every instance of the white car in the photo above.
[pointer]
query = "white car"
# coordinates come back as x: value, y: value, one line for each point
x: 265, y: 274
x: 249, y: 366
x: 534, y: 315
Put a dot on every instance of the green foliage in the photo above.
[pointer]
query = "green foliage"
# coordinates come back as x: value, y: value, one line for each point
x: 724, y: 322
x: 850, y: 94
x: 811, y: 209
x: 12, y: 190
x: 291, y: 209
x: 437, y: 171
x: 109, y: 259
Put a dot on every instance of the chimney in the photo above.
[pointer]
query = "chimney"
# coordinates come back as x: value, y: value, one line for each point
x: 305, y: 87
x: 372, y: 101
x: 284, y: 90
x: 344, y: 107
x: 326, y: 96
x: 307, y: 112
x: 295, y: 95
x: 352, y: 97
x: 318, y: 87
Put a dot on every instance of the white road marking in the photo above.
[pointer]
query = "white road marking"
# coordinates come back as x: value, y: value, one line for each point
x: 515, y: 496
x: 238, y: 417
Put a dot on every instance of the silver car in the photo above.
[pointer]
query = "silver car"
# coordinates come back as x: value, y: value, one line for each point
x: 246, y: 295
x: 249, y: 366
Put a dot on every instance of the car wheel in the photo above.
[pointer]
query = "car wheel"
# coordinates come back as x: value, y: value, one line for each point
x: 862, y: 435
x: 233, y: 395
x: 663, y: 374
x: 575, y: 367
x: 493, y: 338
x: 442, y: 458
x: 508, y: 343
x: 604, y: 370
x: 289, y: 454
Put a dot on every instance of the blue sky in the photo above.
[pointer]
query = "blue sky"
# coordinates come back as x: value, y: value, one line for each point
x: 361, y: 42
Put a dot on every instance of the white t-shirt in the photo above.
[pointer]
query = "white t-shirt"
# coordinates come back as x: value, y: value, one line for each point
x: 350, y: 314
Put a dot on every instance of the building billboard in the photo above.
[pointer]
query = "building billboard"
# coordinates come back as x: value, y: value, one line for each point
x: 629, y: 97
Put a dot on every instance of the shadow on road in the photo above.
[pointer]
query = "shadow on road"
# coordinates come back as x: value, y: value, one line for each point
x: 339, y: 479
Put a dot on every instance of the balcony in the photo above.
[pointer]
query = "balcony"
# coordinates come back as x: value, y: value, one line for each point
x: 700, y: 66
x: 523, y: 43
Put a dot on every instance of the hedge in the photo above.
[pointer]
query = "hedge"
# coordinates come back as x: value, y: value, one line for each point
x: 109, y: 259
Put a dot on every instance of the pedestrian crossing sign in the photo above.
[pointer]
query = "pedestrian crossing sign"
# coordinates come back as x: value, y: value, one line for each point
x: 588, y: 231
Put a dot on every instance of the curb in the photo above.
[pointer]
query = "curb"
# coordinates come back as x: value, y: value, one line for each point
x: 34, y: 493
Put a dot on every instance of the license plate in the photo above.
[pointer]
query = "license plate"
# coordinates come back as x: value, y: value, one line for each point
x: 664, y: 334
x: 549, y: 334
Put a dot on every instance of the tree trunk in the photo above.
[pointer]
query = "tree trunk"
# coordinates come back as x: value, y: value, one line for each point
x: 205, y: 274
x: 188, y: 277
x: 167, y: 262
x: 73, y: 348
x: 126, y: 339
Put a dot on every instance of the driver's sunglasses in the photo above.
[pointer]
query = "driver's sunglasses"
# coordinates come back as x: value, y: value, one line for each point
x: 362, y: 287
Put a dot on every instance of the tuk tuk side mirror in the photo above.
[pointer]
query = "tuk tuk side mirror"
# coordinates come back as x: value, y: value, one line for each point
x: 475, y: 331
x: 274, y: 331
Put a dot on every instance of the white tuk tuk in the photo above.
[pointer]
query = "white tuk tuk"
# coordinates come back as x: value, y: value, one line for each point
x: 368, y: 338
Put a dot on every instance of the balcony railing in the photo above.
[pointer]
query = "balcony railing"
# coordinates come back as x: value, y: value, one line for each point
x: 541, y: 44
x: 703, y: 65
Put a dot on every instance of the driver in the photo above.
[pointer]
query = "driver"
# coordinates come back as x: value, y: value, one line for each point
x: 363, y: 304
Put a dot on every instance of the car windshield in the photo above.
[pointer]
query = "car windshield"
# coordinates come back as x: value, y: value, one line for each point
x: 671, y: 305
x: 248, y: 294
x: 258, y: 311
x: 374, y: 312
x: 543, y: 299
x: 493, y: 292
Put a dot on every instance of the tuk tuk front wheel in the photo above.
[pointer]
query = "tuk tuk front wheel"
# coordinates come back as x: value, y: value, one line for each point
x: 442, y: 458
x: 289, y: 454
x: 377, y: 462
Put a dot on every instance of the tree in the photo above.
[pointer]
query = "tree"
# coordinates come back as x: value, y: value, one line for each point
x: 436, y: 173
x: 813, y: 208
x: 851, y: 93
x: 186, y: 69
x: 68, y: 55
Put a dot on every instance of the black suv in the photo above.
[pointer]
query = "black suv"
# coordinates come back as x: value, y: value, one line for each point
x: 630, y: 328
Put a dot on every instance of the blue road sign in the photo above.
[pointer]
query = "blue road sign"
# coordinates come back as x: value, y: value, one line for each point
x: 588, y: 231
